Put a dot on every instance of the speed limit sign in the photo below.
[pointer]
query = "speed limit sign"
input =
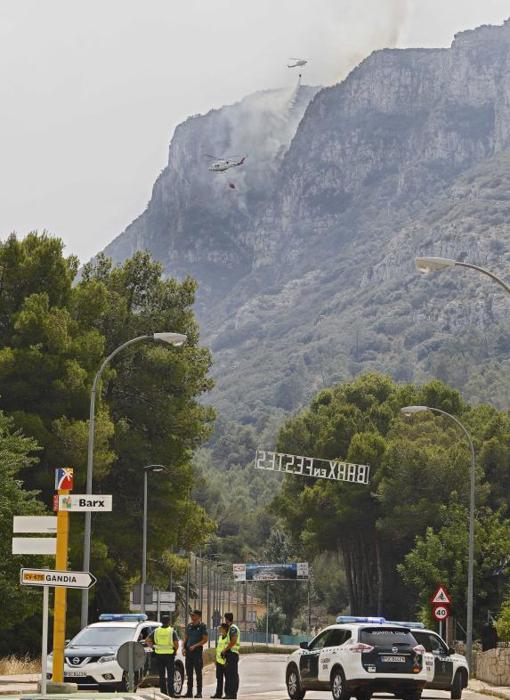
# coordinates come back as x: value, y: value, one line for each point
x: 441, y: 612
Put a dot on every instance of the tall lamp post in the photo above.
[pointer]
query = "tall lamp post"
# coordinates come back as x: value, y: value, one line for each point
x: 432, y: 264
x: 175, y: 339
x: 154, y: 469
x: 410, y: 410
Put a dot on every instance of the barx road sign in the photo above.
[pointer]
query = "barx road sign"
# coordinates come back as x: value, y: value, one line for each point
x: 441, y: 612
x: 46, y: 524
x: 54, y: 579
x: 441, y: 596
x: 80, y: 503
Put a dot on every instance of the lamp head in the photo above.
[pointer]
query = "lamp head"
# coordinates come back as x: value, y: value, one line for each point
x: 426, y: 265
x: 410, y: 410
x: 155, y: 468
x: 175, y: 339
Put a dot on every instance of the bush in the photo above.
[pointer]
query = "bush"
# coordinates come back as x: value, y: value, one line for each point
x: 503, y: 622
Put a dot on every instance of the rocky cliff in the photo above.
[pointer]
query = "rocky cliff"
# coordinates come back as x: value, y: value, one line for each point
x: 306, y: 269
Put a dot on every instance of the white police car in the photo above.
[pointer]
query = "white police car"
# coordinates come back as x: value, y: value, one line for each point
x: 451, y: 670
x: 90, y: 657
x: 358, y: 657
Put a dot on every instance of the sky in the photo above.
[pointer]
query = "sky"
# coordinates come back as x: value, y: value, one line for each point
x: 91, y: 91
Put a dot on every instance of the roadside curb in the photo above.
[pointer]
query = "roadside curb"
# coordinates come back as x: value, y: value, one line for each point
x: 488, y: 690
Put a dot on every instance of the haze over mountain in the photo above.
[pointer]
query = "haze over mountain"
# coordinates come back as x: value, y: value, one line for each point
x: 306, y: 270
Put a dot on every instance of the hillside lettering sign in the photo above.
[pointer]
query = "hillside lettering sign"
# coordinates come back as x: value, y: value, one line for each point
x: 312, y: 467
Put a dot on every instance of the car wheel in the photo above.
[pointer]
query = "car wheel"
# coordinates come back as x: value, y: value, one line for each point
x: 294, y: 688
x: 412, y: 695
x: 363, y: 695
x: 338, y: 689
x: 457, y: 686
x: 178, y: 679
x: 123, y: 685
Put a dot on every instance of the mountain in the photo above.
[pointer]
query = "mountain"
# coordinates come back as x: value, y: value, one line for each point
x: 306, y: 269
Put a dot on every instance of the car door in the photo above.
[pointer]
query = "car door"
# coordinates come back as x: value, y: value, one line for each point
x: 309, y: 660
x: 330, y: 652
x: 443, y: 665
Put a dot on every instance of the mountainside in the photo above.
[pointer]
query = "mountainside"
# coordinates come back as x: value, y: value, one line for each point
x: 306, y: 269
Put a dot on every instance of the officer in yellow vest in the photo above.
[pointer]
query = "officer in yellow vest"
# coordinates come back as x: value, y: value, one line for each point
x: 165, y: 643
x: 231, y: 656
x: 221, y: 643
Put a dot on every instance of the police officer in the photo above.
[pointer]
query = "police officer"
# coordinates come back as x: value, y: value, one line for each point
x: 196, y: 637
x: 231, y: 655
x: 221, y: 643
x: 165, y: 642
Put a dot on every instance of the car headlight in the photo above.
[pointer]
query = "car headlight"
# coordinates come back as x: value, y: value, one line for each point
x: 106, y: 659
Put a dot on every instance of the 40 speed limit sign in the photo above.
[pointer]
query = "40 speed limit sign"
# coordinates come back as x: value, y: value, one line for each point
x: 441, y: 612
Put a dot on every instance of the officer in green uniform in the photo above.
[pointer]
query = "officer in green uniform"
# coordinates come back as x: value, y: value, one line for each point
x: 165, y: 643
x: 196, y: 637
x: 220, y: 659
x: 231, y: 655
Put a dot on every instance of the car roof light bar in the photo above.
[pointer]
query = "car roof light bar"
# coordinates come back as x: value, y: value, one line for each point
x: 414, y: 625
x: 123, y: 617
x: 349, y: 619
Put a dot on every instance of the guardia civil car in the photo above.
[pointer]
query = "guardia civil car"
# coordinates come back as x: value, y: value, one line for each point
x: 90, y: 657
x: 451, y: 670
x: 360, y: 656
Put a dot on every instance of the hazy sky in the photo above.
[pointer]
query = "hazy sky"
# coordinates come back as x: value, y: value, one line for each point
x: 90, y: 91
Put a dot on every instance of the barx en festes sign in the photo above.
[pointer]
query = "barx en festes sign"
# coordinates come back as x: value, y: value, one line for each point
x: 311, y: 466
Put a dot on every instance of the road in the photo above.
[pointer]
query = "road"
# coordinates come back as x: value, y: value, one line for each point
x: 263, y: 677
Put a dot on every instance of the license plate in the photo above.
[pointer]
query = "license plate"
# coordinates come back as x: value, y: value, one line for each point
x: 75, y: 674
x: 393, y: 659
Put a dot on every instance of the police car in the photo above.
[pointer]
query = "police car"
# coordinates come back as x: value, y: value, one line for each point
x: 358, y: 657
x: 90, y: 657
x: 451, y: 670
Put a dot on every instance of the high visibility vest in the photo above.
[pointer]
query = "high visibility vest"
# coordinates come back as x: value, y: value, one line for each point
x: 234, y: 629
x: 164, y: 640
x: 220, y: 645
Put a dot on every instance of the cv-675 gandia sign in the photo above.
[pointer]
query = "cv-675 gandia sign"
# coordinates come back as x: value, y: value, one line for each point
x: 311, y: 466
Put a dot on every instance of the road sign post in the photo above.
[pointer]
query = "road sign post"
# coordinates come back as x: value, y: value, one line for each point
x: 44, y: 641
x: 63, y: 477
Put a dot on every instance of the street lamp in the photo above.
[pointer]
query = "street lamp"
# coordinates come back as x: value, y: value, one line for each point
x: 411, y: 410
x: 175, y: 339
x: 433, y: 264
x: 154, y: 469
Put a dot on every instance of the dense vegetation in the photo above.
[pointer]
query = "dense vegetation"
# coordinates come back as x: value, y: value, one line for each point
x: 54, y: 333
x: 407, y: 531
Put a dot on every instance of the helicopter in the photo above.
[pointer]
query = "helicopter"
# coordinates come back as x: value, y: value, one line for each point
x: 220, y: 165
x: 297, y: 62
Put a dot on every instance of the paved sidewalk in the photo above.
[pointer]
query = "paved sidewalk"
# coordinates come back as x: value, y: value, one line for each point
x: 496, y: 691
x: 23, y: 683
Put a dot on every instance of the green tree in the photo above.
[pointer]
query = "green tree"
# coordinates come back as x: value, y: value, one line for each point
x: 54, y: 334
x: 416, y: 466
x: 440, y: 556
x: 19, y: 603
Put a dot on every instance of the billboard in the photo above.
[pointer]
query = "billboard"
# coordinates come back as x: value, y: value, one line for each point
x: 312, y: 466
x: 271, y: 572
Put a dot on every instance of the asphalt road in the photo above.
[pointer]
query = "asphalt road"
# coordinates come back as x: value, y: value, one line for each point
x: 263, y: 676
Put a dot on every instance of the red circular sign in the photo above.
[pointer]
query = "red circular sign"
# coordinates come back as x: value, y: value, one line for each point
x: 441, y: 612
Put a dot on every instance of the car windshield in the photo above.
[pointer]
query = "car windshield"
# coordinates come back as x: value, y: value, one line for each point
x: 102, y: 637
x: 375, y: 636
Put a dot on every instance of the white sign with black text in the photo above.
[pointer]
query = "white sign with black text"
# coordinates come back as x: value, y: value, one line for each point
x: 83, y: 502
x: 312, y: 467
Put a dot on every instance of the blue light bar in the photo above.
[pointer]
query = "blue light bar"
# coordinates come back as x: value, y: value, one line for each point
x: 349, y: 619
x: 415, y: 625
x: 123, y: 617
